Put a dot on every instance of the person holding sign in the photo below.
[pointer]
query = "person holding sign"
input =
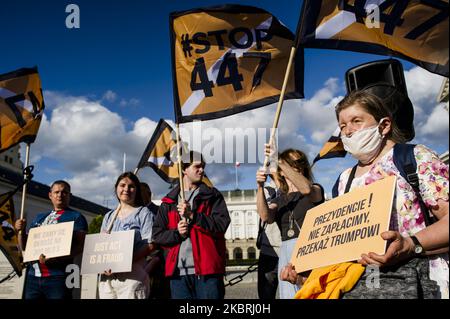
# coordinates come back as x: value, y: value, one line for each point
x: 46, y: 278
x: 416, y: 247
x: 194, y: 233
x: 298, y: 195
x: 159, y: 285
x: 130, y: 215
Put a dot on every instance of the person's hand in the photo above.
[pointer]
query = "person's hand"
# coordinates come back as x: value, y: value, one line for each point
x: 270, y: 150
x: 185, y: 210
x: 289, y: 274
x: 399, y: 249
x: 20, y: 224
x: 42, y: 259
x: 107, y: 272
x: 261, y: 177
x: 183, y: 228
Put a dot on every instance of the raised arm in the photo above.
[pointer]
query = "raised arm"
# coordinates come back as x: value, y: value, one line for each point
x: 304, y: 185
x: 266, y: 212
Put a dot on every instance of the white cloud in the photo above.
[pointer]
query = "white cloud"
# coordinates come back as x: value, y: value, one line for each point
x: 430, y: 119
x: 423, y: 87
x: 88, y: 142
x: 130, y: 102
x: 437, y: 124
x: 109, y: 96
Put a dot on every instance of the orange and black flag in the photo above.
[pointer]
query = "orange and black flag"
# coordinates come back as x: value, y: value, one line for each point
x: 230, y: 59
x: 332, y: 148
x: 160, y: 154
x: 21, y: 107
x: 9, y: 245
x: 415, y: 30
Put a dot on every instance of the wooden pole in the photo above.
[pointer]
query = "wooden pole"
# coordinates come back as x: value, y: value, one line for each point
x: 24, y: 189
x: 180, y: 170
x: 280, y: 102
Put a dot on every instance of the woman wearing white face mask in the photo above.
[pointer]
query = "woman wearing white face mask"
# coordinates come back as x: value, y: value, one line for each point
x: 369, y: 134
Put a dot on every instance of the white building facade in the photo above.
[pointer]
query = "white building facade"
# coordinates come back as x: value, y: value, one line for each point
x: 243, y: 230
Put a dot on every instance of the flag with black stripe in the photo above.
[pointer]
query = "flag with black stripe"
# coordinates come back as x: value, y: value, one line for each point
x: 21, y: 107
x: 332, y: 148
x: 161, y: 154
x: 8, y: 238
x: 415, y: 30
x: 229, y: 59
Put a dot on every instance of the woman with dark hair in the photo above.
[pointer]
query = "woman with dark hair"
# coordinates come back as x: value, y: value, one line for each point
x: 131, y: 214
x: 298, y: 195
x: 416, y: 249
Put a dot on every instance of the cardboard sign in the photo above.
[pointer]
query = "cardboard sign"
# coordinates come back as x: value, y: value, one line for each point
x: 342, y: 229
x: 51, y: 241
x: 108, y: 251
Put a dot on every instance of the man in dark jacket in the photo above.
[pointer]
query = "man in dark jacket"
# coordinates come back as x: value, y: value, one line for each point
x: 193, y: 231
x: 46, y: 278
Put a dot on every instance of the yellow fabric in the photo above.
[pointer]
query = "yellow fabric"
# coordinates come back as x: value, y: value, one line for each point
x: 330, y: 282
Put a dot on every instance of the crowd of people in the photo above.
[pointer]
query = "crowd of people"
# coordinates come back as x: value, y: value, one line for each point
x: 179, y: 247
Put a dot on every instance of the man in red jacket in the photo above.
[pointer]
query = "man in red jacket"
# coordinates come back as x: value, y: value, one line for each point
x: 193, y: 231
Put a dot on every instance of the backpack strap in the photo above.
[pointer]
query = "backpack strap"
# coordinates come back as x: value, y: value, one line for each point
x: 263, y: 225
x: 335, y: 191
x: 405, y: 161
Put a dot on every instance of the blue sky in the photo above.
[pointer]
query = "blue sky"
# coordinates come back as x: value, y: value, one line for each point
x: 110, y: 81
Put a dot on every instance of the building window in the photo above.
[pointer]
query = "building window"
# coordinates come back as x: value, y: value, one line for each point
x: 251, y: 252
x: 237, y: 253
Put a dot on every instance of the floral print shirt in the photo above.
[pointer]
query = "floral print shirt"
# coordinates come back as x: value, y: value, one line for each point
x: 407, y: 217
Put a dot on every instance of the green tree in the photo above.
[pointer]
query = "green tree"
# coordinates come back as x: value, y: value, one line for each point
x: 95, y: 225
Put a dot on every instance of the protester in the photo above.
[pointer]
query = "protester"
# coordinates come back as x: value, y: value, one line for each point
x: 159, y: 285
x: 416, y: 258
x: 194, y: 232
x: 298, y: 195
x: 146, y: 194
x: 268, y: 243
x: 46, y: 278
x: 131, y: 214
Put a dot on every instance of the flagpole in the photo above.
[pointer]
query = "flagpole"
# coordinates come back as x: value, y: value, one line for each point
x: 180, y: 171
x: 235, y: 168
x: 280, y: 101
x: 24, y: 189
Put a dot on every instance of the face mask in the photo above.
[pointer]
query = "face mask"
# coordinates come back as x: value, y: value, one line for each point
x: 364, y: 144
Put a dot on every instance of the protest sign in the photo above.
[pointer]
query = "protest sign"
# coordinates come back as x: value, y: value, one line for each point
x: 342, y: 229
x: 108, y: 251
x: 51, y: 241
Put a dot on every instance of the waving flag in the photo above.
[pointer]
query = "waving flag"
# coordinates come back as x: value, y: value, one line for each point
x: 229, y: 59
x: 416, y: 30
x: 8, y: 238
x: 160, y: 151
x: 332, y: 148
x: 21, y: 107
